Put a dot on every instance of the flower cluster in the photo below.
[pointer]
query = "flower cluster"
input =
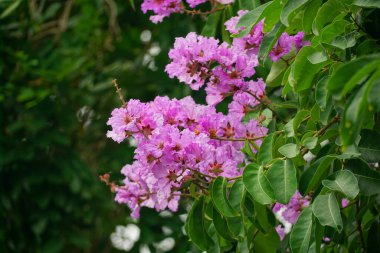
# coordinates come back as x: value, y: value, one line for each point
x: 289, y: 213
x: 164, y: 8
x: 177, y: 141
x: 252, y: 41
x: 197, y: 60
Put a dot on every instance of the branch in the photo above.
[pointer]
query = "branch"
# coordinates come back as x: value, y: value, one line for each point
x: 322, y: 131
x: 239, y: 139
x: 118, y: 91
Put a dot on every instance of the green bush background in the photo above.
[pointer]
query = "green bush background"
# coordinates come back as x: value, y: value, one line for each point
x: 58, y: 59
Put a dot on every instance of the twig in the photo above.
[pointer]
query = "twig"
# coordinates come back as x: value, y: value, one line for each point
x: 239, y: 139
x: 322, y: 131
x: 203, y: 13
x: 265, y: 104
x: 360, y: 230
x: 118, y: 91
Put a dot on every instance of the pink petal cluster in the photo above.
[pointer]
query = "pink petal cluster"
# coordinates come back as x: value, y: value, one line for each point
x: 288, y: 214
x: 177, y: 141
x: 252, y: 41
x: 161, y: 8
x: 164, y: 8
x: 224, y: 68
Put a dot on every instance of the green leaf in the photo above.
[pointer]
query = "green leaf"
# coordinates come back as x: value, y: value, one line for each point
x: 345, y: 41
x: 367, y: 3
x: 373, y: 97
x: 313, y: 176
x: 301, y: 232
x: 369, y: 145
x: 369, y: 179
x: 283, y: 178
x: 350, y: 74
x: 310, y: 142
x: 269, y: 40
x: 344, y: 182
x: 326, y: 209
x: 289, y: 8
x: 299, y: 118
x: 251, y: 18
x: 289, y: 150
x: 195, y: 225
x: 289, y: 129
x: 237, y: 194
x: 302, y: 75
x: 12, y: 7
x: 356, y: 112
x: 219, y: 197
x: 327, y: 13
x: 331, y: 31
x: 319, y: 56
x: 266, y: 150
x: 257, y: 184
x: 267, y: 243
x: 309, y: 15
x: 211, y: 26
x: 248, y: 4
x: 132, y: 3
x: 221, y: 226
x: 321, y: 95
x: 276, y: 73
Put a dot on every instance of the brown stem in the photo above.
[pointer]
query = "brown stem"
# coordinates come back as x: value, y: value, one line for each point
x: 360, y: 230
x: 203, y: 13
x: 323, y: 130
x: 118, y: 91
x: 238, y: 139
x: 266, y: 105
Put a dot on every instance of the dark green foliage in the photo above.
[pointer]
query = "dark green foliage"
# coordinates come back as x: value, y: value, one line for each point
x: 56, y: 94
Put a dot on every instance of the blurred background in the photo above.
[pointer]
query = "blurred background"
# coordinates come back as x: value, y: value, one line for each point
x: 58, y: 59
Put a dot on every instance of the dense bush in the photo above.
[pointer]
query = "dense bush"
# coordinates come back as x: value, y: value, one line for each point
x: 292, y: 168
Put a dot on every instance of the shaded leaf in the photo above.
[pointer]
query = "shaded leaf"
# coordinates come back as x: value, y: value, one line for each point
x: 283, y: 178
x: 257, y: 184
x: 327, y: 211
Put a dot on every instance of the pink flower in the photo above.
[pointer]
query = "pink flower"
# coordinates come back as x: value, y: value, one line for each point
x: 161, y: 8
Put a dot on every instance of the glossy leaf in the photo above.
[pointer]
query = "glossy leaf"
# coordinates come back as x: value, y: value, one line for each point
x: 344, y: 182
x: 252, y: 18
x: 282, y: 176
x: 327, y: 211
x: 300, y: 236
x: 367, y: 3
x: 310, y: 142
x: 329, y: 10
x: 302, y: 75
x: 221, y: 226
x: 257, y: 184
x: 289, y: 8
x: 266, y: 150
x: 289, y: 150
x: 309, y: 15
x: 219, y: 197
x: 369, y: 179
x: 347, y: 76
x: 314, y: 175
x: 195, y: 225
x: 211, y: 26
x: 369, y: 145
x: 269, y: 40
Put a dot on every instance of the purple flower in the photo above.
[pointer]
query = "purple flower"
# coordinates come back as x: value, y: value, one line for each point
x: 345, y: 202
x: 175, y: 139
x: 232, y: 23
x: 161, y: 8
x: 289, y: 213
